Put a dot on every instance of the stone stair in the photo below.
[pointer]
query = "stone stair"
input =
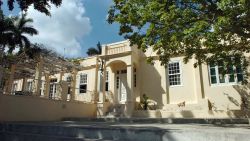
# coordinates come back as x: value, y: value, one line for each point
x: 115, y: 111
x: 219, y: 121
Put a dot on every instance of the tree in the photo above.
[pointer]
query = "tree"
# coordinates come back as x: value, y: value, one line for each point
x: 6, y: 28
x: 22, y: 28
x: 95, y: 51
x: 42, y: 6
x: 205, y: 29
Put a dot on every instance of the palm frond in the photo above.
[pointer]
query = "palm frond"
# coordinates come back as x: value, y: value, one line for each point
x: 29, y: 30
x: 26, y: 42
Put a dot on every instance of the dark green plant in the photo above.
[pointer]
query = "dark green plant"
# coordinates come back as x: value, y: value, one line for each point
x: 145, y: 101
x: 22, y: 28
x: 42, y: 6
x: 205, y: 29
x: 95, y: 51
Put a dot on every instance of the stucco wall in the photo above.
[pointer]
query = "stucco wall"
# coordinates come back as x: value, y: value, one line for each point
x: 186, y: 92
x: 223, y: 97
x: 152, y: 81
x: 90, y: 85
x: 25, y: 108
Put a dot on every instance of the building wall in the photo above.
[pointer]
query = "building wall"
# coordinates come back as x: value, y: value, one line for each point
x: 187, y: 91
x: 153, y: 81
x: 90, y: 85
x: 220, y: 95
x: 27, y: 108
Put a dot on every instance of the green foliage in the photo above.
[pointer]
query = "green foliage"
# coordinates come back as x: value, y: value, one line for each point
x: 42, y: 6
x: 76, y: 61
x: 145, y: 101
x: 13, y: 32
x: 95, y: 51
x: 205, y: 29
x: 20, y: 29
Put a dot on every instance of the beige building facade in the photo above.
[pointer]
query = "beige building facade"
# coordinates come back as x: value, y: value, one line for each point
x: 118, y: 78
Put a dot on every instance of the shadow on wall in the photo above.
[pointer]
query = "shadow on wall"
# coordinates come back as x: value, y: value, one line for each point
x: 187, y: 114
x: 232, y: 100
x: 244, y: 90
x: 151, y: 82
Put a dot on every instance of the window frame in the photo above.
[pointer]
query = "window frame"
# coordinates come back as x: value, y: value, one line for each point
x: 180, y: 73
x: 82, y: 82
x: 107, y: 82
x: 29, y: 86
x: 226, y: 76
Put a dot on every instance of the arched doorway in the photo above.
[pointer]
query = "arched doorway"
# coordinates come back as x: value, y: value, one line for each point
x: 120, y: 88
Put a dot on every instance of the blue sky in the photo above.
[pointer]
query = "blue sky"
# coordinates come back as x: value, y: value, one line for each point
x: 75, y: 26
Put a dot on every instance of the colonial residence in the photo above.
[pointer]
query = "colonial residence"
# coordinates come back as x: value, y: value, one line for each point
x: 118, y: 79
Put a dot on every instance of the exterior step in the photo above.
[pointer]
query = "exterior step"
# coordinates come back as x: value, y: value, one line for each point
x: 163, y: 120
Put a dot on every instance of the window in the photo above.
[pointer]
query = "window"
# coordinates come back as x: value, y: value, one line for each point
x: 29, y: 86
x: 14, y: 87
x: 69, y: 90
x: 219, y: 74
x: 123, y: 71
x: 53, y: 80
x: 68, y: 79
x: 117, y: 82
x: 107, y: 82
x: 174, y: 73
x: 134, y: 77
x: 83, y: 83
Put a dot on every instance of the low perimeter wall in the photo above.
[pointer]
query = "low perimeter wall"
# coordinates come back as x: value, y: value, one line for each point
x: 28, y: 108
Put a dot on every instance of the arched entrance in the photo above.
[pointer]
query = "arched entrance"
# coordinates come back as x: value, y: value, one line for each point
x: 120, y: 85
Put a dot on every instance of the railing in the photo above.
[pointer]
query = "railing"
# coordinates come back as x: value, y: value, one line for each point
x: 117, y: 49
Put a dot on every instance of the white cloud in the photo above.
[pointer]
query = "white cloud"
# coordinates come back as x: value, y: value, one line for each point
x: 64, y: 29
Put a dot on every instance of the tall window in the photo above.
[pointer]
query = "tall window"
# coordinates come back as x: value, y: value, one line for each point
x: 107, y: 82
x: 29, y: 86
x: 14, y: 87
x: 117, y: 79
x: 174, y: 73
x: 221, y: 74
x: 83, y: 83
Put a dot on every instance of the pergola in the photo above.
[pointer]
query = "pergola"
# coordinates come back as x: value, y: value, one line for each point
x: 42, y: 64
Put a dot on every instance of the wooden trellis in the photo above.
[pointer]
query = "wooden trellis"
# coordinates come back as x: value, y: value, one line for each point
x: 42, y: 65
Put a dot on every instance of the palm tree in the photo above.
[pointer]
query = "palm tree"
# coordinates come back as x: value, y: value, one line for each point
x: 6, y: 28
x: 6, y: 33
x: 21, y: 27
x: 95, y: 51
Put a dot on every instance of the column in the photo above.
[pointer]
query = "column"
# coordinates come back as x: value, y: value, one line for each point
x: 47, y: 85
x: 73, y: 85
x: 24, y: 84
x: 61, y: 76
x: 130, y: 77
x: 96, y: 81
x: 103, y: 81
x: 11, y: 79
x: 130, y: 104
x: 38, y: 76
